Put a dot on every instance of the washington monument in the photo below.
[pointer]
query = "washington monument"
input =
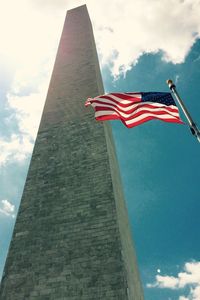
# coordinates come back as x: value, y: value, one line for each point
x: 71, y: 238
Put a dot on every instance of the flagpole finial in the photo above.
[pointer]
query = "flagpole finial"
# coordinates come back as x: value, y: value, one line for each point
x: 170, y: 84
x: 194, y: 129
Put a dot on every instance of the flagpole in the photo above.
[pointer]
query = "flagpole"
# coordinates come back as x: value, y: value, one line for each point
x: 194, y: 129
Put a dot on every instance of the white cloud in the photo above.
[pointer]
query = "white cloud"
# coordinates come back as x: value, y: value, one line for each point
x: 126, y: 31
x: 164, y: 282
x: 27, y: 35
x: 7, y: 208
x: 143, y: 26
x: 123, y: 31
x: 190, y: 277
x: 16, y: 148
x: 28, y: 110
x: 191, y: 274
x: 29, y: 43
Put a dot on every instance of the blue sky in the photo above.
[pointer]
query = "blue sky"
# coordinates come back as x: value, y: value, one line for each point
x: 160, y: 171
x: 159, y: 161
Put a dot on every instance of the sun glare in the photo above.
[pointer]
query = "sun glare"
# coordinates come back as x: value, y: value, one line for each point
x: 27, y: 35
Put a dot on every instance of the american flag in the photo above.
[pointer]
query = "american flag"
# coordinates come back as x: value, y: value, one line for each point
x: 135, y: 108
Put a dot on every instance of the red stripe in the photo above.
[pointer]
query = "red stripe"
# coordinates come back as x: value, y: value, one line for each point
x: 153, y: 118
x: 107, y: 118
x: 114, y: 104
x: 107, y: 97
x: 124, y: 96
x: 160, y: 112
x: 111, y: 117
x: 141, y: 105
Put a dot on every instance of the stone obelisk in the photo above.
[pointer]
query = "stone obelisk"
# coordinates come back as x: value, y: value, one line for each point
x: 72, y: 239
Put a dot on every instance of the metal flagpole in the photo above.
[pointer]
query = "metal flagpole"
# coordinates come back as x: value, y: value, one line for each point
x: 194, y: 129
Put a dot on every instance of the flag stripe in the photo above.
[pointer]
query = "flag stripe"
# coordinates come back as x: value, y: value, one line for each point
x: 162, y: 114
x: 137, y: 113
x: 122, y: 104
x: 110, y: 115
x: 112, y: 98
x: 123, y: 96
x: 149, y: 118
x: 135, y: 108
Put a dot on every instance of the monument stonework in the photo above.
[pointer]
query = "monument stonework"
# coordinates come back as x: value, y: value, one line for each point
x: 72, y: 239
